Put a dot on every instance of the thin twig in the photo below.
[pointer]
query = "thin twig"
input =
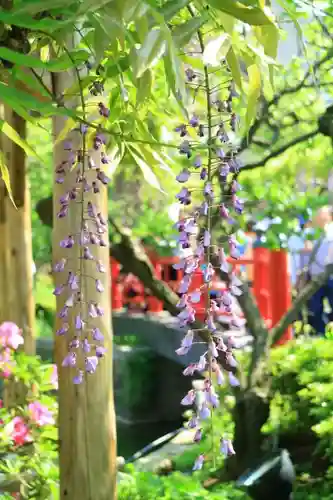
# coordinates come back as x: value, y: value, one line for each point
x: 279, y: 151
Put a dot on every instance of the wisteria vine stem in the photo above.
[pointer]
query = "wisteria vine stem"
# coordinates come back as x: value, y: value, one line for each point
x: 209, y: 212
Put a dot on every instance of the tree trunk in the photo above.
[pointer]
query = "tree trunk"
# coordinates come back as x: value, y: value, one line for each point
x: 250, y: 413
x: 16, y: 252
x: 4, y: 279
x: 87, y: 425
x: 18, y: 276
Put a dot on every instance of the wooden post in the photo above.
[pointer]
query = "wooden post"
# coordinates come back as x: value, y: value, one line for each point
x: 197, y: 284
x: 116, y: 288
x: 261, y: 285
x: 280, y: 291
x: 18, y: 238
x: 87, y: 425
x: 4, y: 279
x: 155, y: 306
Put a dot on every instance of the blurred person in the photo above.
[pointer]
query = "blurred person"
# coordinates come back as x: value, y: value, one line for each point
x: 299, y: 249
x: 317, y: 263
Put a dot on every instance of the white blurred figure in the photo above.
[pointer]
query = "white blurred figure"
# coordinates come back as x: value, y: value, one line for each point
x: 322, y: 257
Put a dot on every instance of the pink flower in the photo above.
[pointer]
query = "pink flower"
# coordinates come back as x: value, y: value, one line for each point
x: 40, y: 414
x: 6, y: 363
x: 10, y: 335
x: 19, y: 431
x: 54, y: 376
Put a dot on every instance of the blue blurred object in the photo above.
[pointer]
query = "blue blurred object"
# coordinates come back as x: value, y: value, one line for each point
x: 301, y: 220
x: 304, y: 219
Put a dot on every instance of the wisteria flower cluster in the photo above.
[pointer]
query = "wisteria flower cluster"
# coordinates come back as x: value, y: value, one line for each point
x: 211, y: 161
x: 83, y: 167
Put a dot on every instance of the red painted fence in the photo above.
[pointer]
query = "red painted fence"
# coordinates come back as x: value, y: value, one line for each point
x: 271, y: 285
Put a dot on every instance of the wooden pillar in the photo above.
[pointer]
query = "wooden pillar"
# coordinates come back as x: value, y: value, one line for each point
x: 280, y: 291
x: 154, y: 305
x: 4, y: 279
x: 197, y: 283
x: 18, y: 275
x: 116, y: 288
x: 87, y: 425
x: 261, y: 284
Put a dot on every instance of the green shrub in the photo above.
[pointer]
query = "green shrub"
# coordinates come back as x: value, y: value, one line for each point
x: 28, y: 433
x: 177, y: 486
x: 301, y: 416
x: 303, y: 392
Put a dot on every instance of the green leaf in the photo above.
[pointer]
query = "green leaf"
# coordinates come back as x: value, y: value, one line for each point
x: 183, y: 33
x: 228, y: 22
x: 29, y: 81
x: 171, y: 8
x: 111, y: 26
x: 147, y: 172
x: 10, y: 98
x: 175, y: 75
x: 216, y: 50
x: 75, y: 88
x: 253, y: 94
x: 262, y: 57
x: 150, y: 51
x: 119, y: 67
x: 24, y: 21
x: 142, y: 28
x: 14, y: 136
x: 69, y: 125
x: 91, y: 5
x: 143, y: 87
x: 268, y: 36
x: 234, y: 66
x: 100, y: 43
x: 250, y: 15
x: 28, y: 103
x: 5, y: 176
x: 62, y: 63
x: 175, y: 72
x: 32, y: 7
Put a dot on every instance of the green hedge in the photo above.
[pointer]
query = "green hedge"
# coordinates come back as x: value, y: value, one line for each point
x: 301, y: 414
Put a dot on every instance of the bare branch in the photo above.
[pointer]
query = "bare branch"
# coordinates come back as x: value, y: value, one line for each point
x: 262, y: 344
x: 133, y: 258
x: 247, y: 141
x: 307, y: 292
x: 279, y: 151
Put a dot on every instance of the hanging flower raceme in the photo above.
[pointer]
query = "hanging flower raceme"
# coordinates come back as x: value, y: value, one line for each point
x: 80, y: 312
x: 195, y: 236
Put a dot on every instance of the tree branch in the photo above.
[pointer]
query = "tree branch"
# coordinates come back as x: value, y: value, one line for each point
x: 133, y: 258
x: 247, y: 141
x: 279, y: 151
x: 307, y: 292
x: 254, y: 321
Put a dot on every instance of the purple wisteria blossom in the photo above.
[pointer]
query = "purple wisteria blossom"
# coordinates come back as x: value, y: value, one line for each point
x: 219, y: 194
x: 85, y: 178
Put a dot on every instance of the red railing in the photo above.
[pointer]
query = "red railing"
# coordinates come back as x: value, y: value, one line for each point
x: 270, y: 285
